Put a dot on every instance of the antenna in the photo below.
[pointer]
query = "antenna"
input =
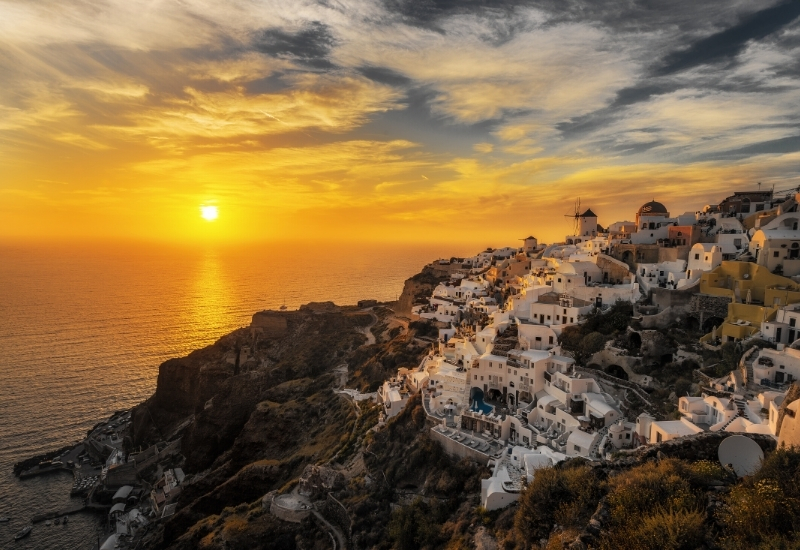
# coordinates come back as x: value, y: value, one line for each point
x: 742, y: 453
x: 576, y: 225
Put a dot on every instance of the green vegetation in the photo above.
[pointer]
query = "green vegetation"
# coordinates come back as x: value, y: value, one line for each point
x: 597, y: 328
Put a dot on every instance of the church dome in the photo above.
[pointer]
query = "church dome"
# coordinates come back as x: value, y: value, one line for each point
x: 653, y: 208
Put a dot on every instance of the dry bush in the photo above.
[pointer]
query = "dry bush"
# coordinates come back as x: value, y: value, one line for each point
x: 567, y: 496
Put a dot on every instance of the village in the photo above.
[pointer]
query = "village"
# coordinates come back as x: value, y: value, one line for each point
x: 129, y: 490
x: 501, y: 389
x: 535, y: 354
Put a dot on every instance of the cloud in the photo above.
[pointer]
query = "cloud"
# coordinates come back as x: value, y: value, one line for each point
x: 310, y: 45
x: 727, y: 44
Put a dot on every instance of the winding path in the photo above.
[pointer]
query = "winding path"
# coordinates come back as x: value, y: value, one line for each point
x: 367, y: 330
x: 331, y: 529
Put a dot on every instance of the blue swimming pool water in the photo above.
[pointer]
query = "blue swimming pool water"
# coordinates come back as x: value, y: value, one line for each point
x: 479, y: 405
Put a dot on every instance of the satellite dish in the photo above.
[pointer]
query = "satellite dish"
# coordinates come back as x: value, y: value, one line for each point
x: 742, y: 453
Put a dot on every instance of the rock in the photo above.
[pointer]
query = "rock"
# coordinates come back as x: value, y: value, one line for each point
x: 484, y: 541
x: 316, y: 481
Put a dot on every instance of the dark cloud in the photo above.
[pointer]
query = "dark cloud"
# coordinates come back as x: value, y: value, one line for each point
x: 642, y: 92
x: 310, y: 46
x: 726, y: 45
x: 427, y: 11
x: 785, y: 145
x: 382, y: 75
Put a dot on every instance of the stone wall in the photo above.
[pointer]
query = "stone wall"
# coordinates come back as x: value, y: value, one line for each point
x: 678, y: 299
x: 284, y: 507
x: 705, y: 306
x: 660, y: 320
x: 454, y: 448
x: 272, y: 324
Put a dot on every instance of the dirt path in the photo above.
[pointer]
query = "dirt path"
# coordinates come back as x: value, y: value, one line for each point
x: 331, y: 529
x: 367, y: 331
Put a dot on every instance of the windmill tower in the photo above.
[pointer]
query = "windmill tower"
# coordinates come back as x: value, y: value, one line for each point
x: 576, y: 217
x: 584, y: 224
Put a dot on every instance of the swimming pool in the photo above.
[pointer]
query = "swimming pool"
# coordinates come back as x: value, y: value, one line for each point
x: 477, y: 402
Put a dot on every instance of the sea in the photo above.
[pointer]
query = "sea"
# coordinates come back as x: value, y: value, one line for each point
x: 83, y: 329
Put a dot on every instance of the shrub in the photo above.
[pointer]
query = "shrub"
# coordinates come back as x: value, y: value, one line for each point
x: 664, y: 530
x: 567, y: 496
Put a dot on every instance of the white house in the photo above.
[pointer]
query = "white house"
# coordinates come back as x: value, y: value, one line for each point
x: 778, y: 367
x: 785, y: 328
x: 511, y: 470
x: 703, y: 257
x: 652, y: 223
x: 558, y: 311
x: 394, y: 396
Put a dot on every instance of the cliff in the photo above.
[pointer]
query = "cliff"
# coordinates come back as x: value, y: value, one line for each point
x: 418, y: 288
x: 258, y: 406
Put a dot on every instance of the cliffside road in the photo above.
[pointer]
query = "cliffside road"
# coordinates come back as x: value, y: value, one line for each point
x: 332, y: 529
x: 367, y: 331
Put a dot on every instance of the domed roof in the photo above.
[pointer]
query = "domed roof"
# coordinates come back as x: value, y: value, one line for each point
x: 616, y: 428
x: 653, y: 208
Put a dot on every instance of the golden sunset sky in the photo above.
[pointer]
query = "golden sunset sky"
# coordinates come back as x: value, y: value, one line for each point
x: 394, y: 120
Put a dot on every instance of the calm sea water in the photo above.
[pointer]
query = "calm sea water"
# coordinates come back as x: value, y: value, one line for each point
x: 83, y: 330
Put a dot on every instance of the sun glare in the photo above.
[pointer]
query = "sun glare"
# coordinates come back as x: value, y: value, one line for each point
x: 209, y: 213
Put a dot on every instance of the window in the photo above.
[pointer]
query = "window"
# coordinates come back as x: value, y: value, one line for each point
x: 571, y: 320
x: 481, y: 378
x: 565, y: 312
x: 476, y: 377
x: 558, y: 317
x: 551, y: 339
x: 658, y: 437
x: 792, y: 321
x: 576, y: 448
x: 515, y: 373
x: 706, y: 258
x: 627, y: 436
x: 775, y: 254
x: 559, y: 279
x: 697, y: 257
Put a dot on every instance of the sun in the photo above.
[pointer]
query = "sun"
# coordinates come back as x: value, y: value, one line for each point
x: 209, y: 213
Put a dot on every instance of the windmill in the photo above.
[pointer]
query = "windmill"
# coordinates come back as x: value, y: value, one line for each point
x: 576, y: 226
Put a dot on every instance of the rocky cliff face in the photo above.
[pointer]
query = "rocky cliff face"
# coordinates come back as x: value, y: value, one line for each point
x: 256, y: 408
x: 417, y: 288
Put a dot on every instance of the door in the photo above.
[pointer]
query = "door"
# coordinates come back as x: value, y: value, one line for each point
x: 779, y: 378
x: 778, y: 334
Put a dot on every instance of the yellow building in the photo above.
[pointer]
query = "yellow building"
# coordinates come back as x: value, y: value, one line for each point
x: 755, y: 293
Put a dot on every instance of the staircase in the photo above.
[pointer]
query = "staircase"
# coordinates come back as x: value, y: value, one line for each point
x: 741, y: 405
x: 599, y: 443
x: 729, y: 422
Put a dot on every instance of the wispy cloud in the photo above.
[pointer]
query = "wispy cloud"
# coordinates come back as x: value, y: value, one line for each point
x: 395, y: 114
